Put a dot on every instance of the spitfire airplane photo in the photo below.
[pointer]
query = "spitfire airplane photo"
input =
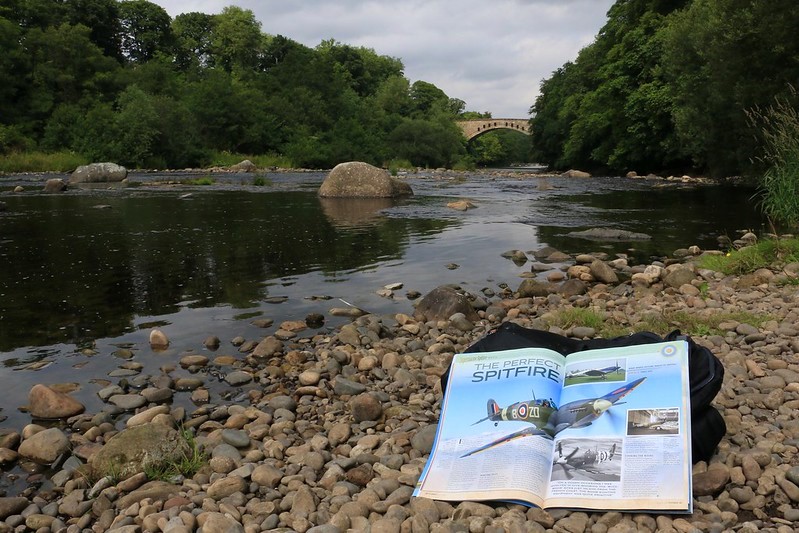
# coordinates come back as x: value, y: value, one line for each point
x: 547, y: 419
x: 592, y: 374
x: 582, y: 461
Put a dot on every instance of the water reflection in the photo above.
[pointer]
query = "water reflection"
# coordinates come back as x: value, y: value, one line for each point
x: 354, y: 212
x: 72, y: 273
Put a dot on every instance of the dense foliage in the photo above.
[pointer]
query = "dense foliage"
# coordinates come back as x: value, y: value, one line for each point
x: 123, y: 81
x: 667, y: 85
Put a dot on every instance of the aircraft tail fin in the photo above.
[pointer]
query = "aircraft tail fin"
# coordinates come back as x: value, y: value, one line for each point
x: 492, y: 410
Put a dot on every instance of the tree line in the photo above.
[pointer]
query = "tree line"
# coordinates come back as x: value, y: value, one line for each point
x: 673, y: 86
x: 125, y: 82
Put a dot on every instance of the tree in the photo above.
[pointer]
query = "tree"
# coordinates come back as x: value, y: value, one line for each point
x: 137, y: 123
x: 192, y: 33
x: 236, y: 40
x: 14, y: 66
x: 427, y: 99
x: 366, y: 69
x: 611, y: 108
x: 146, y: 30
x: 426, y: 143
x: 722, y: 58
x: 102, y: 18
x: 66, y: 67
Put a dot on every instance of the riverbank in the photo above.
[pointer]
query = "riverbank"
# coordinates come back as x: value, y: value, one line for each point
x: 330, y: 432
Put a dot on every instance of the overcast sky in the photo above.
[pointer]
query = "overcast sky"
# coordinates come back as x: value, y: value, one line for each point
x: 492, y: 54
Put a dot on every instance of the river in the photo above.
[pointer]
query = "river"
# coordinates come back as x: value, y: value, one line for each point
x: 89, y: 271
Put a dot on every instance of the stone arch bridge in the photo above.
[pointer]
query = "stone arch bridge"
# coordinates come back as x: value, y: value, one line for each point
x: 473, y: 128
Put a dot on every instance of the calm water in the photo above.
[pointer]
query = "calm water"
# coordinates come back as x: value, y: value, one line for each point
x: 88, y: 271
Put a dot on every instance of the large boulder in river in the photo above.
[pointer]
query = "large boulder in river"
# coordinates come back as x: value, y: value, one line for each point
x: 244, y: 166
x: 55, y: 185
x: 443, y: 302
x: 575, y: 174
x: 362, y: 180
x: 98, y: 173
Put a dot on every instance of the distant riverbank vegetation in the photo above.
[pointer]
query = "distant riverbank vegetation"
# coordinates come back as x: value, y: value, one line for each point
x: 97, y: 80
x: 678, y: 86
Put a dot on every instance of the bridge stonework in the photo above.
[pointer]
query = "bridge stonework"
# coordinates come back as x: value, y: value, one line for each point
x: 473, y: 128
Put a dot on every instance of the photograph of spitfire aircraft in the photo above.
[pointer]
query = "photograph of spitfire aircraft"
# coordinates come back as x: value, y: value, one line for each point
x: 587, y: 460
x: 548, y: 419
x: 653, y: 421
x: 597, y: 371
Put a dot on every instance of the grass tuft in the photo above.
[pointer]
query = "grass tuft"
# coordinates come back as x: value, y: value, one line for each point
x: 63, y: 161
x: 187, y: 466
x: 571, y: 317
x: 205, y: 180
x: 766, y: 253
x: 226, y: 159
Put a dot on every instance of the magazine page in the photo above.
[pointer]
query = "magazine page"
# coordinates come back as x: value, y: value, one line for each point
x: 622, y: 430
x: 494, y: 441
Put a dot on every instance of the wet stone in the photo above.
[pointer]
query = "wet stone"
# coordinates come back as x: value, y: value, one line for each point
x: 128, y: 402
x: 238, y: 378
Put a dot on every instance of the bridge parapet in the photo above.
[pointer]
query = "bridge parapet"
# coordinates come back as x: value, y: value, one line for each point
x: 473, y: 128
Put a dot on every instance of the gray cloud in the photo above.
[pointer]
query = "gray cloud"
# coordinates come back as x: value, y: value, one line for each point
x: 493, y: 55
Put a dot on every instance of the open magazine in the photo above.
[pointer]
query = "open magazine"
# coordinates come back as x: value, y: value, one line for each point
x: 599, y: 429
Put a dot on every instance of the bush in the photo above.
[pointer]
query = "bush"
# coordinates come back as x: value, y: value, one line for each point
x: 395, y: 165
x: 260, y: 181
x: 12, y: 140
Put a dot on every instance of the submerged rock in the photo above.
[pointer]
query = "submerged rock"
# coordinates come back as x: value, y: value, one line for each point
x: 443, y: 302
x: 55, y: 185
x: 610, y: 234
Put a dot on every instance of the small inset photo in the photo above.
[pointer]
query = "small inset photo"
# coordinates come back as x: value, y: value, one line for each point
x: 587, y: 460
x: 653, y: 421
x: 596, y: 372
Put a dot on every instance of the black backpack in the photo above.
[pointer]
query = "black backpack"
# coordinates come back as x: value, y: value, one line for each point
x: 705, y: 372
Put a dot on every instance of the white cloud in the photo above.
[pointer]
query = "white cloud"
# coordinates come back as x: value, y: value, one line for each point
x: 491, y: 54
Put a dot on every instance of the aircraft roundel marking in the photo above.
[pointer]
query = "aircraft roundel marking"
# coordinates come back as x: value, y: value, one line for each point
x: 522, y: 410
x: 669, y: 350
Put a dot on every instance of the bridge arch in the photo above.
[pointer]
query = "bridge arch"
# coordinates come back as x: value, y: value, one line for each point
x: 474, y: 127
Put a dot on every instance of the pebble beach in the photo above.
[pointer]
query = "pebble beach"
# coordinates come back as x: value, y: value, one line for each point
x: 329, y: 432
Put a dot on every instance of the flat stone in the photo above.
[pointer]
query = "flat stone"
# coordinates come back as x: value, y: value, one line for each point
x: 226, y: 486
x: 238, y: 377
x: 236, y: 438
x: 128, y: 402
x: 343, y: 387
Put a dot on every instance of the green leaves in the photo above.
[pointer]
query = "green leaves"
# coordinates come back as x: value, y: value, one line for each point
x: 122, y: 81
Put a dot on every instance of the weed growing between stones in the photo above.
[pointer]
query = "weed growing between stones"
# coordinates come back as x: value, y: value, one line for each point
x: 765, y: 254
x: 187, y: 466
